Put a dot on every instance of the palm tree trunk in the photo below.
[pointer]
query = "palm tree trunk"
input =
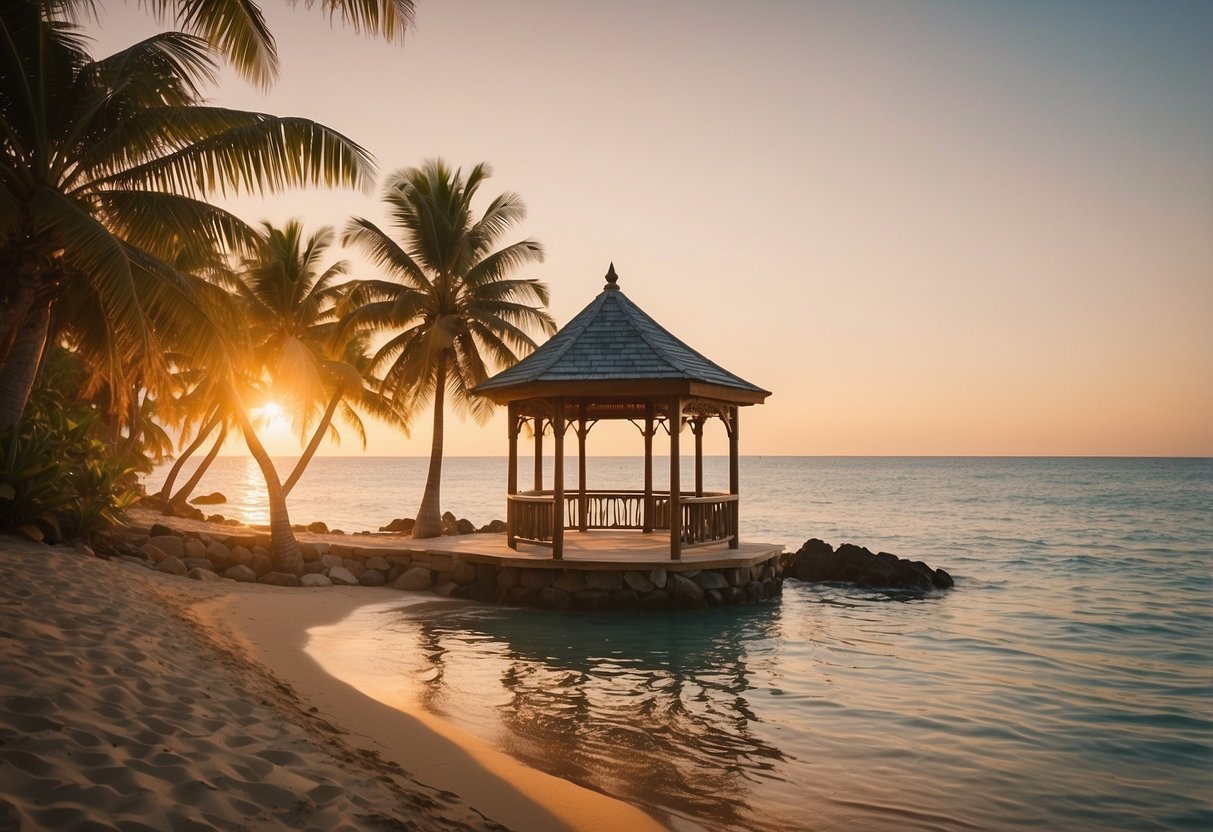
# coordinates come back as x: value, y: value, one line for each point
x: 186, y: 490
x: 167, y: 489
x: 310, y: 450
x: 21, y: 366
x: 429, y: 517
x: 284, y: 549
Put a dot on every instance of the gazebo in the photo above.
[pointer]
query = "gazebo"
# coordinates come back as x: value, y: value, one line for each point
x: 614, y: 362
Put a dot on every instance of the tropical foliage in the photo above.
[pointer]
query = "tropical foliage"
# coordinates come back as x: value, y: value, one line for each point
x: 452, y: 310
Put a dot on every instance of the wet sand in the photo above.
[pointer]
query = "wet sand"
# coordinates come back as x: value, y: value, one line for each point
x: 138, y: 700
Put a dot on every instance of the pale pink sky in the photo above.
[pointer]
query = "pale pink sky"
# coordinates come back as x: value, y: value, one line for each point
x: 927, y: 227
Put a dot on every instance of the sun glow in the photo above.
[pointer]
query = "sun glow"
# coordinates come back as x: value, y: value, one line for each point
x: 271, y: 418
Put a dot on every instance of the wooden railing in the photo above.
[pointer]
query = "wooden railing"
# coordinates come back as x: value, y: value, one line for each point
x: 707, y: 519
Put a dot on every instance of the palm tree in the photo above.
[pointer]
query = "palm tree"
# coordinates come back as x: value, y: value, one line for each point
x: 451, y: 307
x: 105, y: 166
x: 289, y: 302
x: 236, y: 28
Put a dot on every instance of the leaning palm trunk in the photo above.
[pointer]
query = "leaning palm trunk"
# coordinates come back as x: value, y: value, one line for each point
x: 20, y: 367
x: 429, y: 516
x: 166, y: 490
x: 284, y: 549
x: 181, y: 496
x: 310, y: 450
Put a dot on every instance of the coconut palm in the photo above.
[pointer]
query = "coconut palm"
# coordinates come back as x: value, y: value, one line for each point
x: 289, y: 299
x: 105, y: 168
x: 237, y: 30
x: 451, y: 308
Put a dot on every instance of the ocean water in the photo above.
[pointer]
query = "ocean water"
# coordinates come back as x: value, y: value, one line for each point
x: 1066, y: 682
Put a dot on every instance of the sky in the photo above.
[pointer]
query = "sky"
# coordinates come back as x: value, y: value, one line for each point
x: 929, y: 227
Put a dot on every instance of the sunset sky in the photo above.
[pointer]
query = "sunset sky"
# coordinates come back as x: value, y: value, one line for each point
x: 927, y: 227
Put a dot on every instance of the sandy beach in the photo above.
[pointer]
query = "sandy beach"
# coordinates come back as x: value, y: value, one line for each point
x: 136, y: 700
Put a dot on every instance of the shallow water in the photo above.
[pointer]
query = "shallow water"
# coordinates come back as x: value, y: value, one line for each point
x: 1066, y: 682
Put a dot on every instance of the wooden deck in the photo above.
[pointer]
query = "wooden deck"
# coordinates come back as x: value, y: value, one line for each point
x: 596, y: 550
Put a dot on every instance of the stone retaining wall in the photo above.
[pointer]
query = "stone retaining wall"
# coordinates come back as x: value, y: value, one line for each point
x: 245, y: 557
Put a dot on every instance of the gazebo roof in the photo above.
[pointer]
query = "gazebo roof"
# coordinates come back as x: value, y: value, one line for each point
x: 613, y: 348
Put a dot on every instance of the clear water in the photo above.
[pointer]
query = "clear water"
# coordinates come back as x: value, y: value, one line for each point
x: 1065, y: 683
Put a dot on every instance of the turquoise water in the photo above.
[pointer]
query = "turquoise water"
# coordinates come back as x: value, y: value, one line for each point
x: 1065, y: 683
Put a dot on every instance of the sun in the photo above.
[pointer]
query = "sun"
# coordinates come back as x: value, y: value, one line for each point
x: 273, y: 417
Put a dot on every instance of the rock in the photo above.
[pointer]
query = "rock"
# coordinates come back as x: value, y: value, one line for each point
x: 197, y: 563
x: 816, y: 561
x: 684, y: 592
x: 212, y: 499
x: 551, y: 598
x: 538, y: 578
x: 319, y: 527
x: 199, y: 574
x: 711, y: 580
x: 171, y: 565
x: 279, y: 579
x: 355, y: 566
x: 312, y: 568
x: 658, y: 599
x: 638, y: 582
x: 314, y: 580
x: 310, y: 552
x: 494, y: 527
x: 372, y: 577
x: 378, y: 564
x: 194, y: 548
x: 446, y: 590
x: 590, y: 599
x: 570, y: 581
x: 330, y: 561
x: 240, y: 573
x: 658, y: 577
x: 220, y: 555
x: 403, y: 525
x: 153, y: 552
x: 290, y: 565
x: 216, y: 518
x: 169, y: 544
x: 161, y: 530
x: 606, y: 581
x: 463, y: 572
x: 449, y: 524
x: 464, y: 526
x: 415, y: 579
x: 260, y: 564
x: 341, y: 576
x: 239, y: 554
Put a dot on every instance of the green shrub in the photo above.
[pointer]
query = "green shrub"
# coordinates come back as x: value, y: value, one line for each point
x: 58, y: 482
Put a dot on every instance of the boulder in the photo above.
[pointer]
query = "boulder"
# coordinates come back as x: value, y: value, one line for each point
x: 638, y: 582
x: 710, y: 580
x: 240, y: 573
x: 314, y: 580
x: 261, y: 564
x: 464, y: 526
x: 199, y: 574
x: 372, y: 577
x: 153, y: 552
x: 318, y: 527
x: 415, y: 579
x: 684, y: 592
x: 378, y: 564
x: 403, y: 525
x: 330, y: 561
x: 239, y: 554
x: 220, y: 555
x: 212, y: 499
x: 310, y: 552
x: 537, y: 578
x: 494, y: 527
x: 197, y: 563
x: 551, y: 598
x: 194, y: 548
x: 570, y: 581
x: 463, y: 572
x: 606, y: 581
x: 658, y: 577
x: 169, y: 544
x: 341, y: 576
x: 171, y: 565
x: 161, y: 530
x: 817, y: 561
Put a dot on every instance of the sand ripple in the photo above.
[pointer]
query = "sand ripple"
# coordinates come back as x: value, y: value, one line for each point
x: 114, y: 713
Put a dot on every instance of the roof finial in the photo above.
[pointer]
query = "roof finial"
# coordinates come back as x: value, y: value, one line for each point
x: 612, y: 280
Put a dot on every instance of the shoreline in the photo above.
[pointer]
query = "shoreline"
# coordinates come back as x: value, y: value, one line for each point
x: 136, y: 696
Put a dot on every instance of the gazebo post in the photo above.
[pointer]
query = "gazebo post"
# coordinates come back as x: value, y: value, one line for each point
x: 735, y: 476
x: 558, y: 426
x: 697, y: 429
x: 511, y: 477
x: 538, y: 453
x: 675, y: 423
x: 648, y: 467
x: 582, y: 507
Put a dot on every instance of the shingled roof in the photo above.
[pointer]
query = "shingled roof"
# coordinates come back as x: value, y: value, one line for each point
x: 611, y: 341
